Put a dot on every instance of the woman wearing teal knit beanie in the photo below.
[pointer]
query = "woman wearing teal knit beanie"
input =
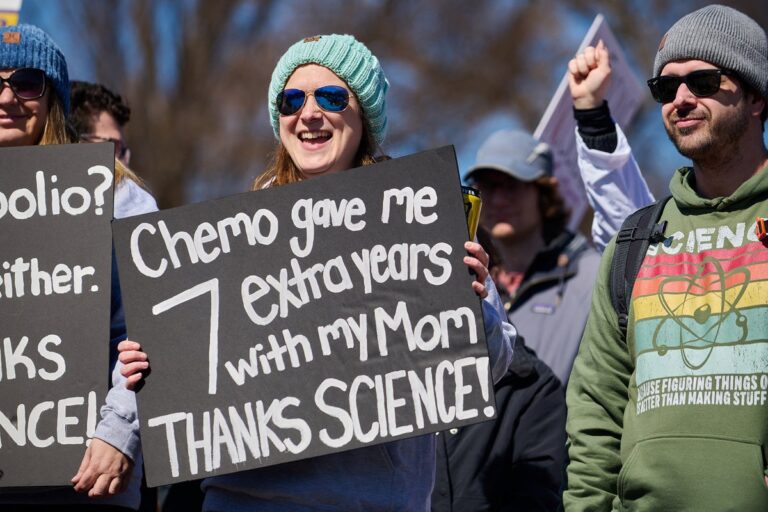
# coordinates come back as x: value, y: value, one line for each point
x: 327, y: 108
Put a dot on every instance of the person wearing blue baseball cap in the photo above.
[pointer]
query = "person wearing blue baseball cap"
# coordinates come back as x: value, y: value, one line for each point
x: 328, y: 111
x: 546, y: 272
x: 34, y: 104
x: 545, y: 275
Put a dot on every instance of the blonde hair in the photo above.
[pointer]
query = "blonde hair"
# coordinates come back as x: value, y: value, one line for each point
x: 282, y: 170
x: 55, y: 129
x: 122, y: 172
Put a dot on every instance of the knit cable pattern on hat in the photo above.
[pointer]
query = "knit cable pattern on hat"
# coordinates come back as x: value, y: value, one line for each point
x: 721, y: 36
x: 27, y: 46
x: 351, y: 61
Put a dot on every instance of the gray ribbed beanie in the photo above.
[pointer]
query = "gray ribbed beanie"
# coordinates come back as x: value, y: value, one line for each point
x: 721, y: 36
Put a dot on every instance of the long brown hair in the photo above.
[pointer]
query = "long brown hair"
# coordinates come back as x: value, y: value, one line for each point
x: 282, y: 170
x: 554, y: 213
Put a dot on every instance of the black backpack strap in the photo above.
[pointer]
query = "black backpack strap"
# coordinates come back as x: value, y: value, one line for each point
x: 637, y: 232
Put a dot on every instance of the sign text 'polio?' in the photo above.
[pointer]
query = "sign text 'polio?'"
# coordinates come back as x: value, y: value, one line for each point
x: 55, y: 272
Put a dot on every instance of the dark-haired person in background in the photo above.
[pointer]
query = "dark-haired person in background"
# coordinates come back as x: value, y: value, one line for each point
x: 100, y: 115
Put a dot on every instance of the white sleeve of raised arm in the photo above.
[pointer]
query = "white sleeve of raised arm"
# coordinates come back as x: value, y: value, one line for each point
x: 614, y: 184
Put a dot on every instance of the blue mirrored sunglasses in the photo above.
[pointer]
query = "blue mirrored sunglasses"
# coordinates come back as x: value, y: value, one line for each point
x: 331, y: 98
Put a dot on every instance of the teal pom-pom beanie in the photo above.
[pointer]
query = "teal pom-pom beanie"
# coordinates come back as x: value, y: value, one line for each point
x: 27, y: 46
x: 351, y: 61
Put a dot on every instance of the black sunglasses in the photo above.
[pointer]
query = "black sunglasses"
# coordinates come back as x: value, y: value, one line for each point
x: 331, y: 98
x: 26, y: 83
x: 702, y: 83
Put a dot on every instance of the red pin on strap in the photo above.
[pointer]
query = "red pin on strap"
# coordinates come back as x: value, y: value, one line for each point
x: 761, y: 230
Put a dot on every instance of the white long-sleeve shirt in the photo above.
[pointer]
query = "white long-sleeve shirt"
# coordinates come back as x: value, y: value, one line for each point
x: 614, y: 184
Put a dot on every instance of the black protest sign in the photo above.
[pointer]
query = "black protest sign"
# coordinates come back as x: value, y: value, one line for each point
x: 55, y: 252
x: 305, y: 319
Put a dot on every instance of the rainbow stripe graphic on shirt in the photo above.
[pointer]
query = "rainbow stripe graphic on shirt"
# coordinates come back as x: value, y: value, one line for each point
x: 702, y: 314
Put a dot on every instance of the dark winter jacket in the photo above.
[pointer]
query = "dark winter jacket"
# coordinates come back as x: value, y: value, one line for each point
x: 514, y: 462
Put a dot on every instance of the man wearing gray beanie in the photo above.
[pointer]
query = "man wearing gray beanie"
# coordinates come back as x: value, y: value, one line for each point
x: 668, y: 410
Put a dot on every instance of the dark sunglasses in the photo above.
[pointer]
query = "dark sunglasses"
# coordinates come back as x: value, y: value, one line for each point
x: 702, y: 83
x: 331, y: 98
x: 26, y: 83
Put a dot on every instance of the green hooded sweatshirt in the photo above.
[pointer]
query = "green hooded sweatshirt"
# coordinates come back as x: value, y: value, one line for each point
x: 675, y: 418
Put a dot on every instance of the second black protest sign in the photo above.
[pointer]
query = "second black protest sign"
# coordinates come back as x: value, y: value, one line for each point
x: 305, y: 319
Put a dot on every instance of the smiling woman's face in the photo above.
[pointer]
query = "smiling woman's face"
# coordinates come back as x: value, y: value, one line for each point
x: 320, y: 142
x: 21, y: 121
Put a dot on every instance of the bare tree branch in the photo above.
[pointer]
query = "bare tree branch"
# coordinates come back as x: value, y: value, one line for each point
x: 196, y: 72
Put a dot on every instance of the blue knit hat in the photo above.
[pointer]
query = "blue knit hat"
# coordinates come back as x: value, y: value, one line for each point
x: 26, y: 46
x: 351, y: 61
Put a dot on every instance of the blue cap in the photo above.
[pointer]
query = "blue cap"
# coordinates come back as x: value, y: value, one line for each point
x: 27, y: 46
x: 515, y: 153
